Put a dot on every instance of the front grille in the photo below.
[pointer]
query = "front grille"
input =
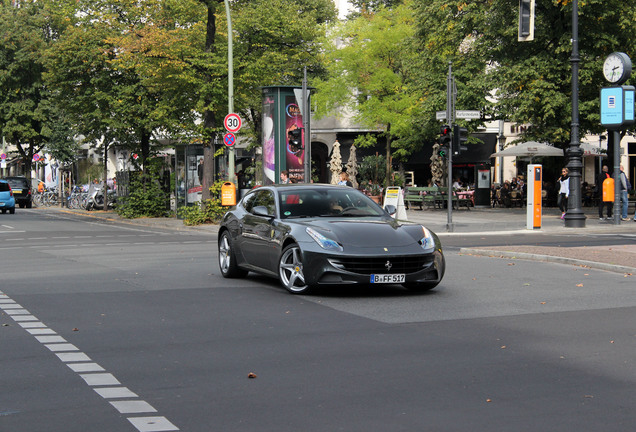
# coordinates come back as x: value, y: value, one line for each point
x: 378, y: 265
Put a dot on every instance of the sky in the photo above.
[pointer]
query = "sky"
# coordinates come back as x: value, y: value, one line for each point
x: 343, y: 8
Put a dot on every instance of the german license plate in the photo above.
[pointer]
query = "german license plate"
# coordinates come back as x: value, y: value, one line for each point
x: 388, y: 278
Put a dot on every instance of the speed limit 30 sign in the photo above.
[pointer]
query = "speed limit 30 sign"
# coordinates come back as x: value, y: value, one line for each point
x: 232, y: 122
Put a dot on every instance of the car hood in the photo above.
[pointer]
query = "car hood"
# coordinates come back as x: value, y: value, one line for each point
x: 367, y: 233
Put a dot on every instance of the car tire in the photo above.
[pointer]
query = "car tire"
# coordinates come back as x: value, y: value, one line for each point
x: 420, y: 286
x: 4, y: 211
x: 12, y: 211
x: 227, y: 259
x: 21, y: 205
x: 29, y: 204
x: 290, y: 270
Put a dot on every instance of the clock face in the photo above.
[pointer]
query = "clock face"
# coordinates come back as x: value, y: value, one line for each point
x: 617, y: 68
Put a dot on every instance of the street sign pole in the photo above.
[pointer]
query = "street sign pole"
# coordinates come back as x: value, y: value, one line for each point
x: 450, y: 116
x: 230, y: 88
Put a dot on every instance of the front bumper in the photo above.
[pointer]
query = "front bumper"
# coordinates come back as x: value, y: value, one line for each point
x: 326, y: 269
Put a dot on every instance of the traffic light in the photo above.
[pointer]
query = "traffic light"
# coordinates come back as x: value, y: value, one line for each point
x: 295, y: 138
x: 443, y: 152
x: 444, y: 135
x: 526, y: 20
x: 460, y: 135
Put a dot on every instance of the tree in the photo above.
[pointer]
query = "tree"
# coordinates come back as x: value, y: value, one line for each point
x: 25, y: 101
x: 371, y: 57
x: 275, y: 40
x: 525, y: 82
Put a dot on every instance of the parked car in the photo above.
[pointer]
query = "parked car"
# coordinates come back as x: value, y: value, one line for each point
x: 7, y: 202
x: 21, y: 191
x: 310, y: 235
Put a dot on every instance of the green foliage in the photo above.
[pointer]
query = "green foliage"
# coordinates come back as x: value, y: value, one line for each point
x: 371, y: 169
x: 522, y: 82
x: 208, y: 211
x: 146, y: 197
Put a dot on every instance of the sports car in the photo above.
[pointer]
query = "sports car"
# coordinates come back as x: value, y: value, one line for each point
x: 312, y: 235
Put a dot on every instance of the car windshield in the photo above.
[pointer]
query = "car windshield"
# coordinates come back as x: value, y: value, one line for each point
x: 336, y: 202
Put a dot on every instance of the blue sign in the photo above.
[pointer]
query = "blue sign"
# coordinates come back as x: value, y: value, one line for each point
x: 612, y: 106
x: 629, y: 105
x: 617, y: 106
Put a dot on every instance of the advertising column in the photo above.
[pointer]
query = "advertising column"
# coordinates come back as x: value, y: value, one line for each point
x: 283, y: 135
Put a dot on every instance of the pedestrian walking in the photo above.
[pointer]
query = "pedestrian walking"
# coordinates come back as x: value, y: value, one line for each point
x: 564, y: 191
x: 604, y: 175
x: 624, y: 186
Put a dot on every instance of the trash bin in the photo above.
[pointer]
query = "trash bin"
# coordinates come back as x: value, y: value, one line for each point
x: 228, y: 194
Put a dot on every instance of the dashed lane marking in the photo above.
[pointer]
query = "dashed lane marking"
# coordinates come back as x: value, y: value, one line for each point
x: 105, y: 384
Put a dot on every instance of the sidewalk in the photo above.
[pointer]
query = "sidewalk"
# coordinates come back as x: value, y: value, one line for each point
x: 615, y: 258
x: 498, y: 221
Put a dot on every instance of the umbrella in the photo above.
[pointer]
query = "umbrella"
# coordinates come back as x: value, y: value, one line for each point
x: 335, y: 164
x: 529, y: 149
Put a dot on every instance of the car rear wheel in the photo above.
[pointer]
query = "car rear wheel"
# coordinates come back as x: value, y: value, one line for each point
x: 290, y: 270
x: 227, y: 260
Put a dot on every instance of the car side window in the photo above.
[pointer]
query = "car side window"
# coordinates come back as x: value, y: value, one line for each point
x: 265, y: 198
x: 248, y: 202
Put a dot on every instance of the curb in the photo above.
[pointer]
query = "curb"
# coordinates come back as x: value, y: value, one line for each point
x: 548, y: 258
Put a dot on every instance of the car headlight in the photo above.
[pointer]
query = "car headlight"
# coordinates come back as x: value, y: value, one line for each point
x: 323, y: 241
x: 427, y: 242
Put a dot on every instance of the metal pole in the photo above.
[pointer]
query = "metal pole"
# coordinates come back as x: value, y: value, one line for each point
x: 575, y: 218
x: 616, y: 174
x: 230, y: 87
x: 306, y: 131
x: 450, y: 116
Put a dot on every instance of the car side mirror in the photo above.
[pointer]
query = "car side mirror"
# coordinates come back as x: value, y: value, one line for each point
x: 390, y: 209
x: 261, y: 211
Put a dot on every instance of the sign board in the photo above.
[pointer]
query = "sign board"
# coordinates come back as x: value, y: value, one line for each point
x: 468, y: 114
x: 3, y: 156
x: 232, y: 122
x: 393, y: 196
x: 36, y: 157
x: 617, y: 106
x: 440, y: 115
x: 229, y: 139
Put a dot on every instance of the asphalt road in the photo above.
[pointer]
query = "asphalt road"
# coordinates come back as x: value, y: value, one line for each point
x: 111, y: 327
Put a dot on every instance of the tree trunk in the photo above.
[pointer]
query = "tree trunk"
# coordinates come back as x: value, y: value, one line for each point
x: 388, y: 155
x: 209, y: 119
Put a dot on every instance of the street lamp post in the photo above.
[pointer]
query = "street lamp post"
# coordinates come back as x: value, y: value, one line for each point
x: 230, y: 86
x: 575, y: 218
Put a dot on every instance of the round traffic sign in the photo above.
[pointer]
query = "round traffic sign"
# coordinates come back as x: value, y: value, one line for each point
x: 232, y: 122
x: 36, y: 157
x: 3, y: 156
x: 229, y: 139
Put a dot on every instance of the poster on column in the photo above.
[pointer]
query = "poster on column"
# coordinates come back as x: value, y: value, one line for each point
x: 269, y: 139
x: 295, y: 151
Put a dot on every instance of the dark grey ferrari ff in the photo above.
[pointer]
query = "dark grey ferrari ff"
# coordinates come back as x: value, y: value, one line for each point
x: 311, y: 235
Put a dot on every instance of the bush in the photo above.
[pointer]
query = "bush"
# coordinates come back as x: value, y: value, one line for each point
x: 208, y: 211
x: 146, y: 197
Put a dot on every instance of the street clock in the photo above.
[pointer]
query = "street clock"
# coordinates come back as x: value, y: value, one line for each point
x: 617, y: 68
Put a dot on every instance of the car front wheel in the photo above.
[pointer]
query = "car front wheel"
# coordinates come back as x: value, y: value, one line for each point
x: 290, y: 270
x: 227, y: 259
